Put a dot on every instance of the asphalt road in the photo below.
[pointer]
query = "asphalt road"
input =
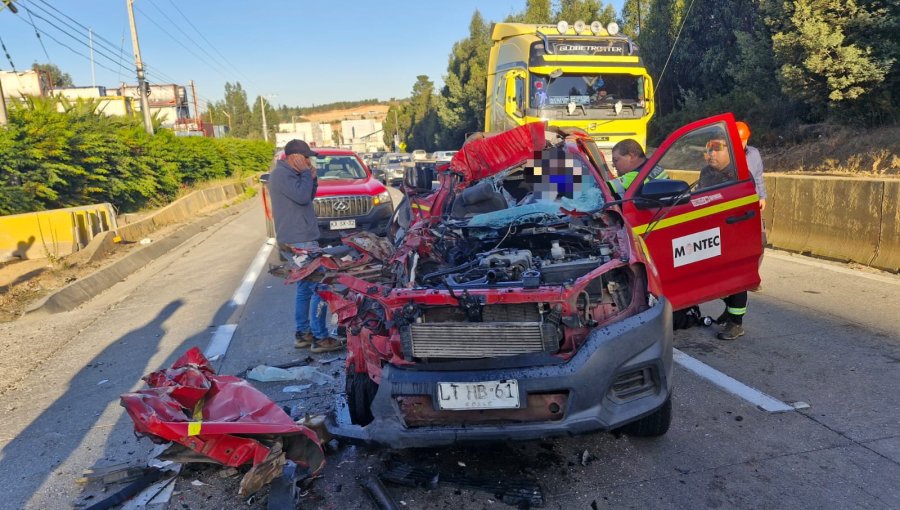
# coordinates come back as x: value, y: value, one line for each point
x: 818, y: 333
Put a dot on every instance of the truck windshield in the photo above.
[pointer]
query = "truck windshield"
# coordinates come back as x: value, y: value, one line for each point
x: 586, y: 90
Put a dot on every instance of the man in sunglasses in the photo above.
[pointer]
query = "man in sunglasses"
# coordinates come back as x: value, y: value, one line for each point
x: 719, y: 169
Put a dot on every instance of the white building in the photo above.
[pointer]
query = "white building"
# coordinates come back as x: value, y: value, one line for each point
x: 108, y: 102
x: 315, y: 134
x: 362, y: 135
x: 169, y: 102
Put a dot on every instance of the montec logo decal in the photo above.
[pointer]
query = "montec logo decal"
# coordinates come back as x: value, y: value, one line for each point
x: 696, y: 247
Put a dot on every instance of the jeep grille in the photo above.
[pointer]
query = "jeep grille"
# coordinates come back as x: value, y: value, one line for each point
x: 342, y: 207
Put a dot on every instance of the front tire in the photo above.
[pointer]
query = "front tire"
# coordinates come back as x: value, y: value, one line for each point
x: 361, y: 392
x: 653, y: 425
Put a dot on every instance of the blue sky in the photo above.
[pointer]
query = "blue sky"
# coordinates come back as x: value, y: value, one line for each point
x: 297, y: 52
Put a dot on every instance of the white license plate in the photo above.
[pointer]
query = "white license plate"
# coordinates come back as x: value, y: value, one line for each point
x: 341, y: 224
x: 479, y: 395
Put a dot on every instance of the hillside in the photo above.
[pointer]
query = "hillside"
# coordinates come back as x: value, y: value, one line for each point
x: 369, y: 111
x: 829, y: 149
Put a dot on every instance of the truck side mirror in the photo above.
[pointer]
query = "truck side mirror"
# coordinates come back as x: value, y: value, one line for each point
x: 662, y: 192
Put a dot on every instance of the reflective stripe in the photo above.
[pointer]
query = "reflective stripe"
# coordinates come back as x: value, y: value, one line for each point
x: 736, y: 311
x: 693, y: 215
x: 419, y: 207
x: 617, y: 186
x: 658, y: 172
x: 194, y: 428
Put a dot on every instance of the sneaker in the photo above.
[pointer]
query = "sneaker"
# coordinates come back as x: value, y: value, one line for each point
x: 326, y: 344
x: 731, y: 331
x: 302, y: 340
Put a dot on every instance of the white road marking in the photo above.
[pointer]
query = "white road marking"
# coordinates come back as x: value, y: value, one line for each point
x: 221, y: 339
x: 731, y: 385
x: 243, y: 292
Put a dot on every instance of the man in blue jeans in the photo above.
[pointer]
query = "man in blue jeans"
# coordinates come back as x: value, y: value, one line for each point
x: 292, y: 188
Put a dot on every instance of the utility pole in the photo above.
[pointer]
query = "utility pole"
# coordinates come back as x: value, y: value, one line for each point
x: 262, y: 108
x: 3, y: 116
x: 91, y: 44
x: 229, y: 120
x: 139, y: 65
x: 396, y: 132
x: 197, y: 118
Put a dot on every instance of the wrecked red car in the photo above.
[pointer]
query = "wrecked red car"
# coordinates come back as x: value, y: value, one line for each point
x: 521, y: 299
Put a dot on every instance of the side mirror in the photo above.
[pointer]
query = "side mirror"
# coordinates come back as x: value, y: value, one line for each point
x: 264, y: 178
x: 661, y: 192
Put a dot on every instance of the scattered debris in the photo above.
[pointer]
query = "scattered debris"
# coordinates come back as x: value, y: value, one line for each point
x: 265, y: 373
x: 112, y: 474
x: 224, y: 418
x: 299, y: 388
x: 461, y: 463
x: 228, y: 473
x: 128, y: 491
x: 198, y: 483
x: 378, y: 492
x: 104, y: 381
x: 521, y: 493
x: 284, y: 492
x: 585, y: 458
x: 145, y: 240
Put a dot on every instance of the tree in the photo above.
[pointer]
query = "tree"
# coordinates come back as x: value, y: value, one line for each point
x: 423, y: 132
x: 58, y: 79
x: 634, y: 13
x: 461, y: 109
x: 819, y: 64
x: 584, y: 10
x: 537, y: 12
x: 236, y: 106
x: 273, y: 117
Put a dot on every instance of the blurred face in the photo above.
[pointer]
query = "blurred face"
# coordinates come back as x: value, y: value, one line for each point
x: 625, y: 163
x: 716, y: 154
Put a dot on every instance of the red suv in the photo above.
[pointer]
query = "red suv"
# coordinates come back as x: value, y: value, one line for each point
x: 348, y: 198
x: 521, y: 299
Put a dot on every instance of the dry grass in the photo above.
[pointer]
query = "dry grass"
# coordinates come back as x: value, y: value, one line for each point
x: 838, y: 150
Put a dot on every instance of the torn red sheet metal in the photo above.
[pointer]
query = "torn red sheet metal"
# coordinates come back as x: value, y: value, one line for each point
x: 482, y: 158
x: 222, y: 417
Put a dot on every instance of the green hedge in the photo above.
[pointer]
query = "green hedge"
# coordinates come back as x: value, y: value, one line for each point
x: 51, y: 159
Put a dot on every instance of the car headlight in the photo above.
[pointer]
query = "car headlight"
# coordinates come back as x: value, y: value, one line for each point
x: 382, y: 198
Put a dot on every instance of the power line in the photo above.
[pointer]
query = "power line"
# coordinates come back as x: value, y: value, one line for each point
x: 64, y: 45
x: 8, y: 57
x: 39, y: 38
x: 189, y: 50
x: 683, y: 21
x: 191, y: 39
x: 211, y: 45
x: 74, y: 37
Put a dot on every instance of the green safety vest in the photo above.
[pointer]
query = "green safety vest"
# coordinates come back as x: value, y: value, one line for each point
x: 620, y: 184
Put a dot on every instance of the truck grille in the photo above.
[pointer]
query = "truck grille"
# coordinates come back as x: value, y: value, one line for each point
x: 481, y: 339
x: 342, y: 207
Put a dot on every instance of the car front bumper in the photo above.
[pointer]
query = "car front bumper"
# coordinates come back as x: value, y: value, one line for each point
x: 639, y: 343
x: 375, y: 221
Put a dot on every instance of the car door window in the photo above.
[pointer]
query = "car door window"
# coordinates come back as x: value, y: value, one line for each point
x: 707, y: 150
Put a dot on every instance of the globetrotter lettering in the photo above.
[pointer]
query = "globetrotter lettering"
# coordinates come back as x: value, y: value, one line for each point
x: 696, y: 247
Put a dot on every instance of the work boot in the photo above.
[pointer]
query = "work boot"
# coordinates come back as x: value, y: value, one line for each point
x: 731, y: 331
x: 326, y: 344
x: 302, y: 340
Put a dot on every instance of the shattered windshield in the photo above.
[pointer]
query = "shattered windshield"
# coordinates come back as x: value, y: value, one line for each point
x: 535, y: 192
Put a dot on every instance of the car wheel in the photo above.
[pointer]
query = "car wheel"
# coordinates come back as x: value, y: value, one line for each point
x: 360, y: 394
x: 653, y: 425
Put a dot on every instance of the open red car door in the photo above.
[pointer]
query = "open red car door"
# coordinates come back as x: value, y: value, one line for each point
x: 705, y: 242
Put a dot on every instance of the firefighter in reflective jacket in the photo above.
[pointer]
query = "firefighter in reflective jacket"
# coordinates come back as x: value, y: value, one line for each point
x: 628, y: 157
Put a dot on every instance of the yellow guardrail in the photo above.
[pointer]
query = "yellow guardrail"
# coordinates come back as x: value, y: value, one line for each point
x: 55, y: 233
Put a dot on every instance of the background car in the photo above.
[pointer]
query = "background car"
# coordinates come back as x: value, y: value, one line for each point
x: 443, y: 155
x: 391, y: 167
x: 348, y: 198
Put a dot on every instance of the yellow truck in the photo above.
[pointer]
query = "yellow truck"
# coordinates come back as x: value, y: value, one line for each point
x: 583, y: 76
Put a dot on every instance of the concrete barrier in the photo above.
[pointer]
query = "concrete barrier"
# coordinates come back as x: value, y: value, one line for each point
x: 180, y: 210
x: 54, y: 233
x: 887, y: 255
